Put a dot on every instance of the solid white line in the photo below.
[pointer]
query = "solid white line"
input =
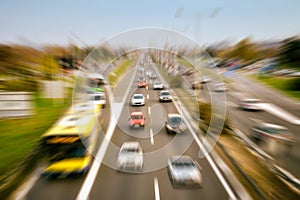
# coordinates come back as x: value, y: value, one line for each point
x: 147, y: 96
x: 223, y: 181
x: 149, y: 110
x: 156, y: 189
x: 151, y: 137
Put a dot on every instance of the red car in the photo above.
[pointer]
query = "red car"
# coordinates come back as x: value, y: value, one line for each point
x: 141, y: 84
x: 137, y: 119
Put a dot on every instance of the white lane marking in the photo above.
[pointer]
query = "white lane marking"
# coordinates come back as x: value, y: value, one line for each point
x: 24, y: 189
x: 147, y: 96
x: 156, y: 189
x: 147, y: 87
x: 279, y: 112
x: 149, y: 110
x: 151, y: 137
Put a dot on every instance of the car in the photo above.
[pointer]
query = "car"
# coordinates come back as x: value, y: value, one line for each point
x: 184, y: 171
x: 130, y: 157
x: 141, y: 83
x: 266, y: 131
x: 174, y: 124
x: 196, y: 85
x: 205, y: 79
x: 249, y: 104
x: 137, y: 100
x: 220, y: 87
x: 158, y: 85
x: 152, y: 75
x: 136, y: 120
x: 165, y: 96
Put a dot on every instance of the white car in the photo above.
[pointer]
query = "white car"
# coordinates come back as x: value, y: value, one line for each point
x: 137, y: 100
x: 158, y: 85
x: 184, y: 171
x: 130, y: 157
x: 249, y: 104
x: 220, y: 87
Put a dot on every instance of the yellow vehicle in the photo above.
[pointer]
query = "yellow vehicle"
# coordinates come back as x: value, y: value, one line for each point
x: 71, y: 142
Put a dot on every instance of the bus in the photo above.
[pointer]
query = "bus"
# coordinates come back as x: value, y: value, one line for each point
x: 69, y: 145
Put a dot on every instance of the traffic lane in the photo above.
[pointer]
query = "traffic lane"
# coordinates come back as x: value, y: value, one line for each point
x: 55, y: 189
x: 288, y: 158
x: 111, y: 184
x: 211, y: 188
x: 265, y: 93
x: 65, y: 188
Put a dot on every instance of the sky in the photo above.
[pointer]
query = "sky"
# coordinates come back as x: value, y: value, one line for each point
x: 92, y: 21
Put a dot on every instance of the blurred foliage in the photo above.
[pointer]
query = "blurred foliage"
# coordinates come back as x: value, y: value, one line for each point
x: 22, y: 67
x: 290, y: 52
x: 293, y: 84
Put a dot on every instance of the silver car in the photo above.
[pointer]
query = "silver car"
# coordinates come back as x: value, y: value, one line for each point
x: 250, y: 104
x: 267, y: 132
x: 158, y: 85
x: 184, y: 171
x: 165, y: 95
x: 174, y: 124
x: 130, y: 157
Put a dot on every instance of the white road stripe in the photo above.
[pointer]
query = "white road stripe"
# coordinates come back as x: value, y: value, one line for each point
x: 147, y: 87
x: 156, y: 189
x: 149, y: 110
x: 187, y: 118
x: 151, y: 137
x: 279, y: 112
x: 147, y: 96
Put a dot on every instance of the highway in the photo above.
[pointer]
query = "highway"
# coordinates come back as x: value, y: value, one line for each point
x: 242, y: 87
x: 158, y: 146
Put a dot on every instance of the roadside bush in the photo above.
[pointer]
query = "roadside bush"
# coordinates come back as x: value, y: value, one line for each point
x: 293, y: 84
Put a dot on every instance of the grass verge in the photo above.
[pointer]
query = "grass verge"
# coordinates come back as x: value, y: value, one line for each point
x: 19, y: 140
x: 278, y: 83
x: 118, y: 72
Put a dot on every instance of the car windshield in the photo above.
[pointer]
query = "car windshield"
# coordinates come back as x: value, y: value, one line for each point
x: 136, y: 117
x: 130, y: 150
x: 174, y: 120
x: 275, y: 131
x: 165, y: 93
x: 184, y: 164
x: 138, y: 97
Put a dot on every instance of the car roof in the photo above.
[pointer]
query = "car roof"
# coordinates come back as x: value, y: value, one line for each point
x: 275, y: 126
x: 131, y: 144
x: 136, y: 113
x: 251, y: 100
x: 174, y: 115
x: 182, y: 158
x: 138, y: 95
x: 164, y: 91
